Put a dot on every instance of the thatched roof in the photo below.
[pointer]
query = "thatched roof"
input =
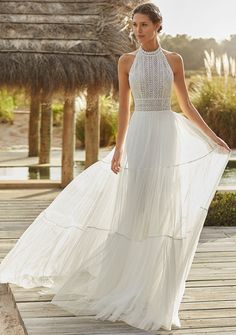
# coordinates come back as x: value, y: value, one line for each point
x: 62, y: 45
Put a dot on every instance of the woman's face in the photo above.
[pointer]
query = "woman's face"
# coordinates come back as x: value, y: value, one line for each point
x: 143, y: 28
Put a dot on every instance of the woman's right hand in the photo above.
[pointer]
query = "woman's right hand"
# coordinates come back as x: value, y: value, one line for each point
x: 222, y: 143
x: 115, y: 163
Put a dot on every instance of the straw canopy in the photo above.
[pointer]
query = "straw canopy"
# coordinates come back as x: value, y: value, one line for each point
x: 62, y: 46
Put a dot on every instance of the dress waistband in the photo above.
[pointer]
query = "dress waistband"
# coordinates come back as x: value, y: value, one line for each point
x: 152, y: 104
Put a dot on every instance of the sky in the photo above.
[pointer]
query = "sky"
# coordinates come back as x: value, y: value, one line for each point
x: 199, y: 18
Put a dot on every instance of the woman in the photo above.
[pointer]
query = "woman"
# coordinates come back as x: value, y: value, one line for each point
x: 147, y: 23
x: 119, y: 240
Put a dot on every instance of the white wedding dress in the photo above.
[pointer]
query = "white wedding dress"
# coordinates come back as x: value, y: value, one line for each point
x: 121, y: 246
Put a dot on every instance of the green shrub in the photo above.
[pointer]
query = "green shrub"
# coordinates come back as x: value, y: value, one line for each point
x: 191, y: 73
x: 108, y: 122
x: 80, y: 125
x: 222, y: 211
x: 6, y: 107
x: 216, y: 101
x: 21, y: 99
x: 57, y: 112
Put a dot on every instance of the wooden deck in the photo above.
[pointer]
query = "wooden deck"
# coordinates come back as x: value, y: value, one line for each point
x: 208, y: 305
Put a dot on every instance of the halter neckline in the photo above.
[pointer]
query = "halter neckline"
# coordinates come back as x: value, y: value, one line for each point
x: 154, y: 52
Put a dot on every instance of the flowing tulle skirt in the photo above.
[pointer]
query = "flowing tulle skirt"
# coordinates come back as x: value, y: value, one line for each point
x: 121, y: 246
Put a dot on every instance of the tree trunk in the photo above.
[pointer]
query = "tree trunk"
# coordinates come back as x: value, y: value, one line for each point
x: 45, y: 132
x: 68, y: 142
x: 34, y: 126
x: 92, y: 127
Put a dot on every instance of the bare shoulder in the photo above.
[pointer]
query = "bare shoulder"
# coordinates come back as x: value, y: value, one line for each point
x: 175, y: 59
x: 128, y: 54
x: 173, y: 55
x: 125, y: 60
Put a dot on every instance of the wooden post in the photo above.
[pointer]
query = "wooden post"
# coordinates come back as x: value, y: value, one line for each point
x: 68, y: 141
x: 34, y: 126
x: 92, y: 127
x: 45, y: 131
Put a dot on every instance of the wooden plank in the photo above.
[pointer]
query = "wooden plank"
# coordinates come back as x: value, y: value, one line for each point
x: 8, y: 212
x: 211, y: 271
x: 22, y: 201
x: 32, y: 296
x: 217, y: 235
x: 213, y: 254
x: 88, y: 325
x: 208, y: 313
x: 215, y: 265
x: 202, y: 305
x: 225, y: 240
x: 224, y: 229
x: 221, y: 246
x: 21, y: 204
x: 218, y: 228
x: 6, y: 245
x: 191, y: 294
x: 4, y: 207
x: 217, y: 259
x: 217, y: 276
x: 194, y: 309
x: 211, y: 283
x: 19, y: 211
x: 10, y: 234
x: 207, y: 323
x: 40, y: 309
x: 11, y: 225
x: 8, y: 242
x: 19, y: 220
x: 213, y: 331
x: 195, y: 294
x: 192, y: 277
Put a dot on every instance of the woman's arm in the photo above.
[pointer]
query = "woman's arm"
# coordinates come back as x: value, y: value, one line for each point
x: 124, y: 101
x: 124, y: 111
x: 185, y: 104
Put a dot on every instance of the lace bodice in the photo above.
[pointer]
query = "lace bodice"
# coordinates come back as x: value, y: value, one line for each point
x: 150, y: 79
